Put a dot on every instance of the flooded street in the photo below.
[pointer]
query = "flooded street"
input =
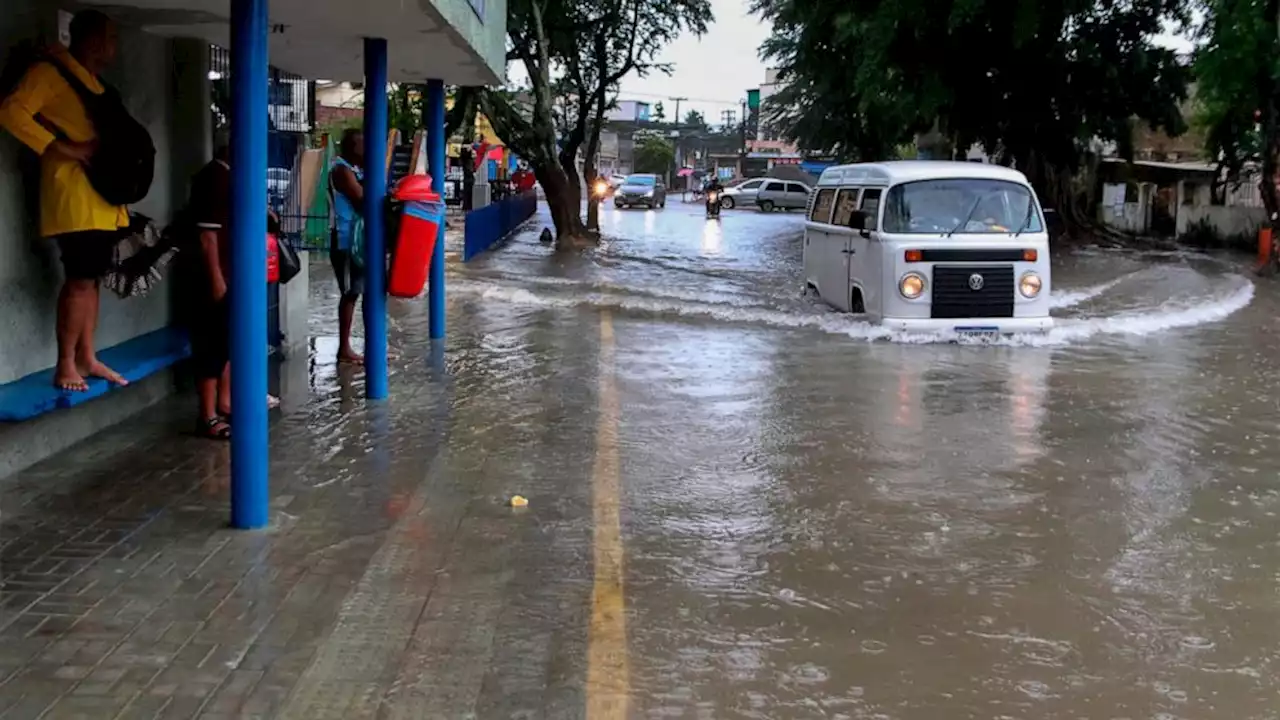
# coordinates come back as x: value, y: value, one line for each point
x: 809, y: 517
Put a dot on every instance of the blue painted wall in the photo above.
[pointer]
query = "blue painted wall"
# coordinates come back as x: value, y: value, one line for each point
x: 490, y: 225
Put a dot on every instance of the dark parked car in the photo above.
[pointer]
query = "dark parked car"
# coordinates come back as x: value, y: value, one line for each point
x: 642, y: 189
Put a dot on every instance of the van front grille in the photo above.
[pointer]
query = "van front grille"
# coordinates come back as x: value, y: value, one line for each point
x: 955, y: 295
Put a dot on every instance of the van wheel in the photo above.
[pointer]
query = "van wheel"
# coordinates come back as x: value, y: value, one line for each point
x: 766, y: 206
x: 856, y: 306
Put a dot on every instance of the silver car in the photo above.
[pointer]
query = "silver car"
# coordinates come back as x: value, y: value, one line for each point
x: 782, y: 195
x: 642, y: 189
x: 743, y: 194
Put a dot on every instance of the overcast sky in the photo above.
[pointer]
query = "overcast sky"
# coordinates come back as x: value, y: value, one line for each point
x: 714, y: 71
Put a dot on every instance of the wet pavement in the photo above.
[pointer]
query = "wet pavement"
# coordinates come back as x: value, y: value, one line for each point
x: 740, y: 505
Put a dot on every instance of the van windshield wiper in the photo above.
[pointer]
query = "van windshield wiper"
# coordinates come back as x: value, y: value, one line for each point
x: 967, y: 217
x: 1026, y: 221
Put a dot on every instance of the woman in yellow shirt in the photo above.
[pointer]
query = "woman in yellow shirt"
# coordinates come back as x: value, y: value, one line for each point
x: 46, y: 115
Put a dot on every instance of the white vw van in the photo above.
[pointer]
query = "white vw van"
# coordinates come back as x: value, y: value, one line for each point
x: 930, y: 246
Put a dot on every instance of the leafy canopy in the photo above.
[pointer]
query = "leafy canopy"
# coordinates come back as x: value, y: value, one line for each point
x: 1034, y: 81
x: 1238, y: 73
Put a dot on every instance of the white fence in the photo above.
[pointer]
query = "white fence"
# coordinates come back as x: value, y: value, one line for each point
x: 1225, y: 219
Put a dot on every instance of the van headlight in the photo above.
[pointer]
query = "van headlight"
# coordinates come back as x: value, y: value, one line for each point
x: 1030, y: 285
x: 911, y: 285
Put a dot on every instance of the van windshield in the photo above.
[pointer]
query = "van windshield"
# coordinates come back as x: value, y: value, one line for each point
x: 960, y: 205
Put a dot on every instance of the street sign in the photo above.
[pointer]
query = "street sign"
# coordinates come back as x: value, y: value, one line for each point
x: 753, y: 99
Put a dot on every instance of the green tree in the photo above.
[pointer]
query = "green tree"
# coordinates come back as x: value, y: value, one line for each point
x: 622, y: 37
x: 659, y: 114
x: 576, y: 51
x: 695, y: 118
x: 1238, y: 90
x: 654, y: 155
x: 405, y: 104
x: 1036, y: 84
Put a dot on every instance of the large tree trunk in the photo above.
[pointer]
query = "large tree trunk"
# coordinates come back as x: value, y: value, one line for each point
x: 568, y: 158
x: 1056, y: 188
x: 561, y: 201
x: 593, y: 202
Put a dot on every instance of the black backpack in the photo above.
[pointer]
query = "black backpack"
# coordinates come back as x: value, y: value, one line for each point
x: 124, y: 162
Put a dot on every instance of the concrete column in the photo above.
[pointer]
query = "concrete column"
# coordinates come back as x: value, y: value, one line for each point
x: 191, y: 132
x: 435, y: 165
x: 1179, y: 216
x: 295, y: 307
x: 249, y: 489
x: 375, y: 200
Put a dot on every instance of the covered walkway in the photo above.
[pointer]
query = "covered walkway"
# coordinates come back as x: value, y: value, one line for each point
x: 375, y: 42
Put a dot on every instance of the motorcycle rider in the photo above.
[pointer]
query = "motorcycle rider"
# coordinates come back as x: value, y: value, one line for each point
x: 713, y: 187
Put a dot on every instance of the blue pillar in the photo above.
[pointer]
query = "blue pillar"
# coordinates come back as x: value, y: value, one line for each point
x: 375, y: 200
x: 249, y: 500
x: 435, y: 161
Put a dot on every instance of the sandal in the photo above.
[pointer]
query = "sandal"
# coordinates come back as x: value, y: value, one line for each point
x: 214, y: 428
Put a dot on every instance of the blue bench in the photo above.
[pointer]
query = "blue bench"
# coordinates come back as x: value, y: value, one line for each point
x: 135, y: 359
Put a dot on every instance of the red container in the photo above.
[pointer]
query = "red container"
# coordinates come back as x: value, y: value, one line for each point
x: 273, y: 258
x: 420, y: 221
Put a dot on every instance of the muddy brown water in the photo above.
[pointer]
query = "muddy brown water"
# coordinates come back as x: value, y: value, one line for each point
x: 822, y: 520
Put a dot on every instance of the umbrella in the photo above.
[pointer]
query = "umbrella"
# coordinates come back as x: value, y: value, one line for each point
x: 684, y: 172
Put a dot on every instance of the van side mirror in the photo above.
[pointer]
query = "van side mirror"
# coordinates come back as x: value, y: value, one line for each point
x: 859, y: 220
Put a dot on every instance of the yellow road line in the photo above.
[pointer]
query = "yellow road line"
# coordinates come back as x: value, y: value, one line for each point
x: 608, y: 681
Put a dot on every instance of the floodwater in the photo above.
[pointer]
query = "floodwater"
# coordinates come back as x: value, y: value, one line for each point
x: 811, y: 518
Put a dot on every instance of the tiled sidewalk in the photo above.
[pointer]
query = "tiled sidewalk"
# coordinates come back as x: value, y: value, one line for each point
x: 392, y: 582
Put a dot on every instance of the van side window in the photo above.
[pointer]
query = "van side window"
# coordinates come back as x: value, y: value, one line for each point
x: 846, y: 203
x: 821, y: 211
x: 871, y: 204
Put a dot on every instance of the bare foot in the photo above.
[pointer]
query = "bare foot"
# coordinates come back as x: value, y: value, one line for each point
x: 69, y: 378
x: 350, y: 357
x: 95, y: 368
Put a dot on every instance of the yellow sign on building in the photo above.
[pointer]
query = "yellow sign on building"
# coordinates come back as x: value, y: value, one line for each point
x: 483, y: 130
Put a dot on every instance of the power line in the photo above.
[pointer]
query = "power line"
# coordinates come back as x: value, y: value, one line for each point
x: 660, y: 96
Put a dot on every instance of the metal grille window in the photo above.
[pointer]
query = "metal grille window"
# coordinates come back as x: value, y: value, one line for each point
x: 290, y: 120
x: 290, y: 97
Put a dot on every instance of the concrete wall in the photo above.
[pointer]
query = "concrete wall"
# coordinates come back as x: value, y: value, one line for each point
x: 1131, y: 217
x: 165, y: 85
x: 1227, y: 220
x: 487, y: 34
x: 30, y: 273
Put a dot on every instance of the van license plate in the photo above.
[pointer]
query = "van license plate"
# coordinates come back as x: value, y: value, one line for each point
x: 989, y: 332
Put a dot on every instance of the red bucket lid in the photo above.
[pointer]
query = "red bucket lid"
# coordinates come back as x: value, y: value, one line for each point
x: 415, y: 188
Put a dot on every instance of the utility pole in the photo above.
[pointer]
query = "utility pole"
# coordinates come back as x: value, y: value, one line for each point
x: 677, y: 100
x: 744, y: 127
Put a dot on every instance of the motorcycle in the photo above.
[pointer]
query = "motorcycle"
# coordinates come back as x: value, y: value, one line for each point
x: 601, y: 190
x: 713, y: 204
